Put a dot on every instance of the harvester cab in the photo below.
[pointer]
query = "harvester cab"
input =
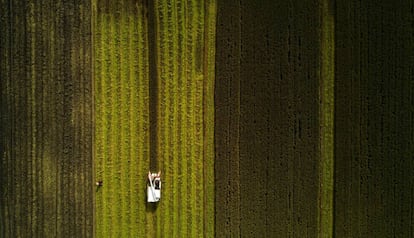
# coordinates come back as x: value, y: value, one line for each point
x: 154, y: 187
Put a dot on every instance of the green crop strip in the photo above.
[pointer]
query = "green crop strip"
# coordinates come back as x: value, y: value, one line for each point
x: 327, y: 120
x: 121, y: 118
x: 184, y: 38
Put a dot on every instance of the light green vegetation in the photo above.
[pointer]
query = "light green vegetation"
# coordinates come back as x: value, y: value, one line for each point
x: 185, y: 68
x: 121, y: 118
x: 327, y: 119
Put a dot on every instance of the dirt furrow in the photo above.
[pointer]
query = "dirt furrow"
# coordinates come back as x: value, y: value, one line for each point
x: 6, y: 123
x: 144, y: 113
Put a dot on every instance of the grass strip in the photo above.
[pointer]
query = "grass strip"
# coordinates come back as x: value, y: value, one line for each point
x: 327, y: 119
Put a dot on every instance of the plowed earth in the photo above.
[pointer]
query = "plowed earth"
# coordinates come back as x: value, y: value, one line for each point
x: 46, y: 119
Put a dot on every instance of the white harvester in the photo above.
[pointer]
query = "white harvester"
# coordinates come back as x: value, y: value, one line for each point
x: 154, y: 187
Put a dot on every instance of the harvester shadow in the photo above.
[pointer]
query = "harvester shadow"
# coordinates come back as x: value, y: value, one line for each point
x: 153, y: 95
x: 150, y: 206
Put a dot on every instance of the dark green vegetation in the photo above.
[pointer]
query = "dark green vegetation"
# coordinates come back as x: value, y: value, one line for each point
x: 314, y: 119
x: 313, y: 124
x: 267, y: 119
x: 46, y: 119
x: 374, y: 123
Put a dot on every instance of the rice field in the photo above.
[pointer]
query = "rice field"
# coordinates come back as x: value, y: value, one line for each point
x: 142, y: 125
x: 266, y: 118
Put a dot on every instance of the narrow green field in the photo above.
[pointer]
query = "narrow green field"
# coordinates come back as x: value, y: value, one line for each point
x: 326, y: 120
x: 125, y: 115
x: 121, y: 119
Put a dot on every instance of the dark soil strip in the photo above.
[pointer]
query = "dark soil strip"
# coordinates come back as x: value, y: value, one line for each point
x: 374, y: 119
x: 153, y: 87
x: 5, y: 121
x: 46, y: 120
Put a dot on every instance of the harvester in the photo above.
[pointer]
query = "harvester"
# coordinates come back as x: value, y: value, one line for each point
x: 154, y: 187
